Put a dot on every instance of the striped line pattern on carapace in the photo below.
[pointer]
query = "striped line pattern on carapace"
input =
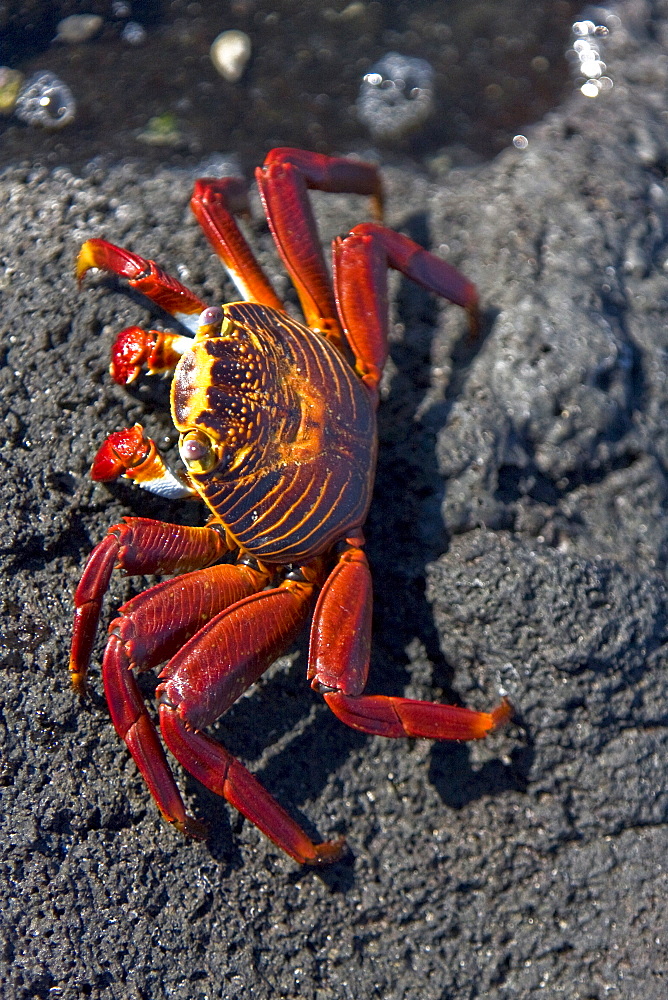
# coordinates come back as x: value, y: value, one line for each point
x: 298, y: 430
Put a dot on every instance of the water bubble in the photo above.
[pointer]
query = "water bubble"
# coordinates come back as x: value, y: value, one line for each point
x: 586, y: 57
x: 592, y: 68
x: 396, y: 95
x: 589, y: 89
x: 46, y: 101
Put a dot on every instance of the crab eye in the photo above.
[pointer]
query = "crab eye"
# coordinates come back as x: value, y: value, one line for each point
x: 209, y: 323
x: 214, y: 314
x: 197, y: 451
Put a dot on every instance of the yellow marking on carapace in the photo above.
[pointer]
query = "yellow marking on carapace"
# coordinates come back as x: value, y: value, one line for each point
x: 192, y: 382
x: 240, y: 456
x: 308, y: 442
x: 188, y: 384
x: 278, y: 505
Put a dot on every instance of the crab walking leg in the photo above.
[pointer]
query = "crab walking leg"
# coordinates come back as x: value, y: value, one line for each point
x: 341, y: 630
x: 214, y: 204
x: 381, y: 715
x: 360, y: 262
x: 155, y: 624
x: 339, y: 659
x: 207, y: 676
x: 150, y: 628
x: 137, y: 546
x: 223, y: 774
x: 283, y: 181
x: 143, y: 275
x: 134, y: 725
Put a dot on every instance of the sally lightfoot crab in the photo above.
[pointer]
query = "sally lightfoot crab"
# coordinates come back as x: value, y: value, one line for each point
x: 278, y: 436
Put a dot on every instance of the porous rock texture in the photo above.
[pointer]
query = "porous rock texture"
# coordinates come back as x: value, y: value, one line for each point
x: 519, y: 543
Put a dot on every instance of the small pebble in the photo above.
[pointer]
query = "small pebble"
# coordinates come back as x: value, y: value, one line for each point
x: 46, y: 101
x: 134, y: 33
x: 78, y: 28
x: 230, y: 53
x: 11, y: 81
x: 161, y: 130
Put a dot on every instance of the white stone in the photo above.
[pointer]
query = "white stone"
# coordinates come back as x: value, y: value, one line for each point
x: 78, y: 28
x: 230, y: 53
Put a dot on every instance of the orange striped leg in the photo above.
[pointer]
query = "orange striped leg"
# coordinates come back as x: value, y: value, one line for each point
x: 339, y: 663
x: 386, y: 716
x: 361, y: 260
x: 216, y: 768
x: 284, y: 181
x: 341, y: 631
x: 144, y: 276
x: 214, y: 204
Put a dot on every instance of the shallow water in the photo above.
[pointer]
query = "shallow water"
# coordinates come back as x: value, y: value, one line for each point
x: 497, y: 68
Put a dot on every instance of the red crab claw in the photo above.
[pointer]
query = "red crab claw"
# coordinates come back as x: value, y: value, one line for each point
x: 124, y: 453
x: 157, y: 350
x: 131, y: 454
x: 130, y: 353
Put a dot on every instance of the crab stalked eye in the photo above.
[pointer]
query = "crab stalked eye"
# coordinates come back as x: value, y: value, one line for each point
x: 197, y: 451
x: 210, y: 323
x: 214, y: 314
